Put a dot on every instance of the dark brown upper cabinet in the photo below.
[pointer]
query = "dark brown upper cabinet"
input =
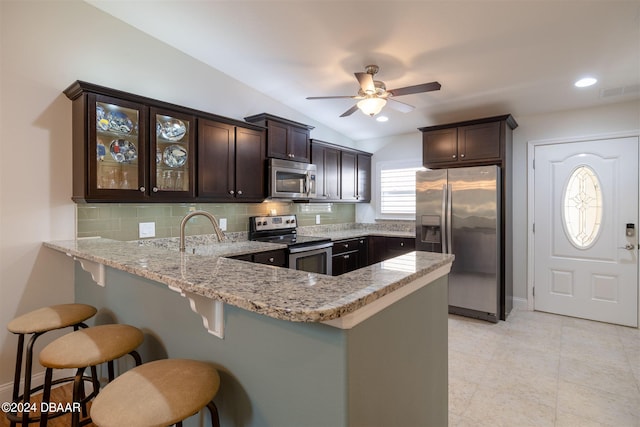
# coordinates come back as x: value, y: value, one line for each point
x: 129, y: 148
x: 475, y: 142
x: 286, y: 139
x: 327, y: 160
x: 172, y: 167
x: 355, y: 176
x: 342, y: 174
x: 231, y: 163
x: 110, y: 150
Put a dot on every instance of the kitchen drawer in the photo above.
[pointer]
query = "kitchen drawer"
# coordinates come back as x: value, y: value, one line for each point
x: 349, y: 245
x: 277, y: 258
x: 247, y: 257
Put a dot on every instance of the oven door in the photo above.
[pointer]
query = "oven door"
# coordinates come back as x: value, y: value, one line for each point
x: 313, y: 259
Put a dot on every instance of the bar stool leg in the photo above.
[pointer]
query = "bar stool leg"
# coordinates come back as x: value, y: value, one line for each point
x: 46, y: 396
x: 77, y: 385
x: 215, y: 419
x: 26, y: 396
x: 18, y: 372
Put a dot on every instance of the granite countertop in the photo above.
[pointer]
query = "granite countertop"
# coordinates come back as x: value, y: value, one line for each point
x: 273, y: 291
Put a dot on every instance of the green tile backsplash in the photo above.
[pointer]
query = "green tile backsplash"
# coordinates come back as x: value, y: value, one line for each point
x: 120, y: 221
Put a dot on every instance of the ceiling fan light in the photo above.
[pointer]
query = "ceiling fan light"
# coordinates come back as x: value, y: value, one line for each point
x: 371, y: 106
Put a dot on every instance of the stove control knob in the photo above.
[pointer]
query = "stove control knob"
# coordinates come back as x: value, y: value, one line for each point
x: 288, y: 221
x: 293, y: 221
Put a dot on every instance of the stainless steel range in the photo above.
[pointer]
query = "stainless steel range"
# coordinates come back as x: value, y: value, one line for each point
x: 306, y: 253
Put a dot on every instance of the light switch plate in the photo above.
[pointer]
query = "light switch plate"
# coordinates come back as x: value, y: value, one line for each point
x: 318, y: 219
x: 146, y: 229
x: 223, y: 224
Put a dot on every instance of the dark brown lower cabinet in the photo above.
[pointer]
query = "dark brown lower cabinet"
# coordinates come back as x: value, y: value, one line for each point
x: 383, y: 247
x: 277, y: 258
x: 349, y: 255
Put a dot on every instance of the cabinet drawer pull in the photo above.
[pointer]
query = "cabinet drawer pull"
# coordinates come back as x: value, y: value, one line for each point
x: 271, y: 259
x: 401, y: 243
x: 346, y: 257
x: 232, y: 192
x: 239, y: 192
x: 142, y: 189
x: 346, y: 245
x: 154, y: 189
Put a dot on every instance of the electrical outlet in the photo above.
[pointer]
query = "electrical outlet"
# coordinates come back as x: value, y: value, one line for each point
x: 146, y: 229
x: 318, y: 219
x: 223, y: 224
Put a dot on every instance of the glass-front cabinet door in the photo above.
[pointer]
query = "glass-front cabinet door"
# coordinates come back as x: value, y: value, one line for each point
x: 116, y: 148
x: 172, y: 146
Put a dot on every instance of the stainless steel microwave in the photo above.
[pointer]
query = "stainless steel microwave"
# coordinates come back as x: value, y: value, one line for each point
x: 291, y: 180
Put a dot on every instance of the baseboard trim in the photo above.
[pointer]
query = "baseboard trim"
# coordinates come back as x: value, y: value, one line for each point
x: 6, y: 390
x: 520, y: 303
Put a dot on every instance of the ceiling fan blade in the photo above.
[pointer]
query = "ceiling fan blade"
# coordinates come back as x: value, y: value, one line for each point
x: 350, y: 111
x: 366, y: 82
x: 400, y: 106
x: 425, y: 87
x: 332, y: 97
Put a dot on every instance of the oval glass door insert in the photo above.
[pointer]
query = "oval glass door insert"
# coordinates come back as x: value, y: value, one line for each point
x: 582, y: 213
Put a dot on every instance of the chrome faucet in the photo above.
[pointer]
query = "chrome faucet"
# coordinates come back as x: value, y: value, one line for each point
x: 190, y: 215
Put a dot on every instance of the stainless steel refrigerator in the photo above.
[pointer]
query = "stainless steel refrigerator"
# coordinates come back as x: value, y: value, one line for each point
x: 458, y: 212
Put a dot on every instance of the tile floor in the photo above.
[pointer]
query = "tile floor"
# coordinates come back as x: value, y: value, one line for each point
x: 538, y: 369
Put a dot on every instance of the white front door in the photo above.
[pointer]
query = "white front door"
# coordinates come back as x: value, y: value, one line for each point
x: 585, y: 230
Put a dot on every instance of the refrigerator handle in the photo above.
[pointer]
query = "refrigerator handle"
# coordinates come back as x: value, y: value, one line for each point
x: 443, y: 221
x: 449, y: 225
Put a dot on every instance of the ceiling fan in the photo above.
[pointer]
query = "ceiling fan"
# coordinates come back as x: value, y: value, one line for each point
x: 373, y: 94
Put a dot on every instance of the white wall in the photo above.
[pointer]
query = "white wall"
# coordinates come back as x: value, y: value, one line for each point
x: 395, y: 148
x: 46, y: 45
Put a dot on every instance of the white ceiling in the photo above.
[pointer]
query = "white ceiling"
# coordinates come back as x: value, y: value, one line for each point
x: 491, y: 57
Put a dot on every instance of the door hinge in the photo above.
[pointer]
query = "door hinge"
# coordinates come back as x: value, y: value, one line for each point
x: 534, y: 291
x: 534, y: 228
x: 534, y: 163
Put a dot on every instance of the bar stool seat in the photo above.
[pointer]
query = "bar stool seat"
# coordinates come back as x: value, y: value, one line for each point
x: 49, y: 318
x: 158, y: 393
x: 87, y: 348
x: 36, y: 323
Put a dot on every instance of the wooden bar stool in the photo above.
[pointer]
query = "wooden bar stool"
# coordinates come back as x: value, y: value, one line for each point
x: 159, y: 393
x: 87, y: 348
x: 36, y: 323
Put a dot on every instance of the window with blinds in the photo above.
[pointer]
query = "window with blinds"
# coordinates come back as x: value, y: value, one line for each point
x: 398, y: 191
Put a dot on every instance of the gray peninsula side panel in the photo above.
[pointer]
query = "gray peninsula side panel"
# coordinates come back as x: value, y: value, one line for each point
x: 398, y: 363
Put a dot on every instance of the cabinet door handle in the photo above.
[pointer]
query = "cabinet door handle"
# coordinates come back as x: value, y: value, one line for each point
x: 271, y: 259
x: 239, y: 192
x: 346, y: 257
x: 142, y: 189
x: 346, y: 245
x: 154, y: 189
x: 454, y: 156
x: 232, y: 192
x: 402, y: 244
x: 462, y: 156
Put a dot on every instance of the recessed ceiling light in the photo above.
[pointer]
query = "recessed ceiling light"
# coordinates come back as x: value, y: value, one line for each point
x: 585, y: 82
x: 382, y: 119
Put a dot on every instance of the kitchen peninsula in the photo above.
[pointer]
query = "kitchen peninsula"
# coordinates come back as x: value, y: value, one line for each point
x: 367, y: 348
